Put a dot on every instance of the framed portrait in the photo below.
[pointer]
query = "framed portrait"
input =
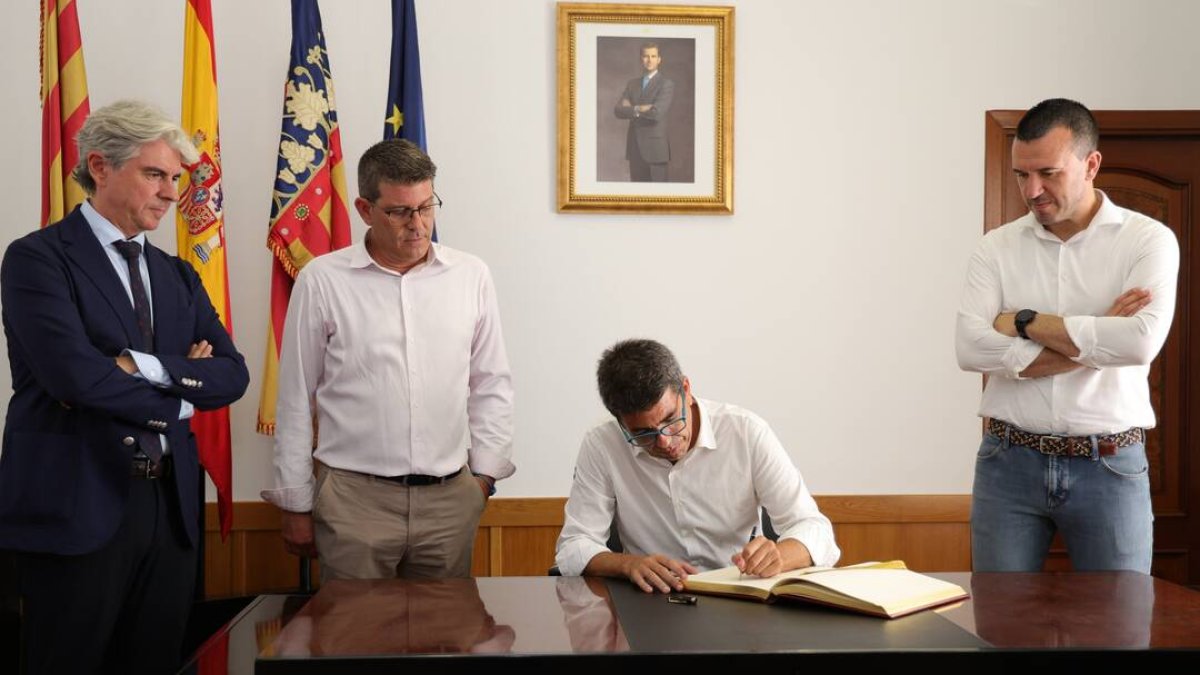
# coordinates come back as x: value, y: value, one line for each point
x: 645, y: 108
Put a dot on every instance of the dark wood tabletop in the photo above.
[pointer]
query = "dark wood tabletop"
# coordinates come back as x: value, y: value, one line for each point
x: 558, y: 620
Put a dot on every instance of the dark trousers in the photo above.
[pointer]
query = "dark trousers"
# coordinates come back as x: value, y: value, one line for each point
x: 642, y: 172
x: 121, y: 609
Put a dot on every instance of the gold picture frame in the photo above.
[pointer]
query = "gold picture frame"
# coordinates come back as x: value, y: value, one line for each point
x: 613, y: 135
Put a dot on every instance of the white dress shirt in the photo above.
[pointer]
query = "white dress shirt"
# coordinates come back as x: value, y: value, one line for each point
x: 702, y: 509
x: 407, y: 372
x: 1022, y: 265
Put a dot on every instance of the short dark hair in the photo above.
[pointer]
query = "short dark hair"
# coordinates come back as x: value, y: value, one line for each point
x: 396, y: 161
x: 634, y: 374
x: 1061, y: 112
x: 650, y: 45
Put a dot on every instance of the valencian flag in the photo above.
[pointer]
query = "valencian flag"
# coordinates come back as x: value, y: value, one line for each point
x: 200, y: 228
x: 308, y: 206
x: 64, y: 107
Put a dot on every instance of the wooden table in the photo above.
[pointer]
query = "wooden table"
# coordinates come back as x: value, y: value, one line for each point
x: 549, y: 624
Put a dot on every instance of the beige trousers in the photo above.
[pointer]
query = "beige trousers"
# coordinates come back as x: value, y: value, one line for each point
x: 369, y: 528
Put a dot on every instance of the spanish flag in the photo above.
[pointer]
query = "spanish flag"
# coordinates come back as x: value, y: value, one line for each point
x: 200, y: 228
x: 309, y: 214
x: 64, y: 107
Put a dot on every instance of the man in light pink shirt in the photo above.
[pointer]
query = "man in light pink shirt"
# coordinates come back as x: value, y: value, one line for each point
x: 393, y: 345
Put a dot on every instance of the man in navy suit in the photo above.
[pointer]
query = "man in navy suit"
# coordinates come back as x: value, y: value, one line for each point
x: 112, y: 345
x: 646, y: 103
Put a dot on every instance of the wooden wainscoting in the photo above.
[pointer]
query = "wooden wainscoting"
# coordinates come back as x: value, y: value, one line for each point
x: 516, y: 538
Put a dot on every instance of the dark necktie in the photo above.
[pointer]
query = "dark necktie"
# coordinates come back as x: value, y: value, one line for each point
x: 132, y: 251
x: 141, y: 304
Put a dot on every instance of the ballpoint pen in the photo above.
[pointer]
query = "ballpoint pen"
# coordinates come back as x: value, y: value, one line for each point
x: 753, y: 534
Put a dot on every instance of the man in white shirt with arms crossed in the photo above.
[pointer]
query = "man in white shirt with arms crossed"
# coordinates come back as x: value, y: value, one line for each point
x: 1064, y: 309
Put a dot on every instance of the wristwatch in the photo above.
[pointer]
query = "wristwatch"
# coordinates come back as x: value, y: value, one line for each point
x: 1022, y: 321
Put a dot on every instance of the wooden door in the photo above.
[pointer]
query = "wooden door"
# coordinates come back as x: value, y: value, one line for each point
x: 1151, y: 164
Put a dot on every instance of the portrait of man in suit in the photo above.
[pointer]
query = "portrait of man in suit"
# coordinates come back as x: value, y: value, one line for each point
x: 112, y: 344
x: 645, y: 124
x: 646, y: 103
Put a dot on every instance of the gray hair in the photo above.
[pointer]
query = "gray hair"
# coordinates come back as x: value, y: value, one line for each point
x: 634, y: 374
x: 117, y: 133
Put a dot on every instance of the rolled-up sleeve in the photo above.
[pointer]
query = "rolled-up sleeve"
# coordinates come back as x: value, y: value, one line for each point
x: 589, y: 512
x: 979, y: 346
x: 1108, y: 341
x: 781, y: 489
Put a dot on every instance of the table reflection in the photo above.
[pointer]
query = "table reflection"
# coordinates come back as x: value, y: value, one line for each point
x: 440, y: 616
x: 589, y: 615
x: 1079, y: 609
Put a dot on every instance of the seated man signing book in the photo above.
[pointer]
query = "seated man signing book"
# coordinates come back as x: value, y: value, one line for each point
x: 682, y: 481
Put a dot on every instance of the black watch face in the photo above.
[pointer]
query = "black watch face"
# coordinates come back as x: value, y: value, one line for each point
x: 1022, y: 319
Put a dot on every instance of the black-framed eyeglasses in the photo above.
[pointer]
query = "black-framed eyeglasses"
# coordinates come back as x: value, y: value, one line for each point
x: 403, y: 215
x: 675, y: 427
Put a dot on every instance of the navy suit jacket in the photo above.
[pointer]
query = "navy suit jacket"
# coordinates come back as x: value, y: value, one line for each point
x: 647, y: 136
x: 74, y: 414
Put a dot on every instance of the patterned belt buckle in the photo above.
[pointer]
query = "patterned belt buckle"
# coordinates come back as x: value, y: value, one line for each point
x: 1054, y: 445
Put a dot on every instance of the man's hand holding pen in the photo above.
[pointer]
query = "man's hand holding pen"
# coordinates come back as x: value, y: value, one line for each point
x: 759, y: 558
x: 762, y: 557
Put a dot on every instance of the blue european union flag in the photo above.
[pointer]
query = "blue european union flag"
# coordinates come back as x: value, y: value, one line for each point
x: 405, y: 116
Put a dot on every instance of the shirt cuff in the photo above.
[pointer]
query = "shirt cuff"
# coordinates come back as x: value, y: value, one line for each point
x: 574, y: 557
x: 1020, y: 354
x: 298, y: 499
x: 150, y: 369
x: 186, y: 410
x: 489, y: 463
x: 819, y: 541
x: 1082, y: 331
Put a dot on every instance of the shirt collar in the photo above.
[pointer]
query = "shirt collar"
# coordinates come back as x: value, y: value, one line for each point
x: 707, y: 438
x: 102, y: 228
x: 1108, y: 214
x: 437, y: 257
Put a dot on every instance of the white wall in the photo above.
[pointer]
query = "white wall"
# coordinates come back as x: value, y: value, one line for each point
x: 826, y: 303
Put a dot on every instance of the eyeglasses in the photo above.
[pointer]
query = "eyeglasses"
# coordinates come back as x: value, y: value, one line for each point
x: 403, y: 215
x: 675, y: 427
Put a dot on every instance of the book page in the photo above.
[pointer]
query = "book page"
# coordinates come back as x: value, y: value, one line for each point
x: 730, y: 576
x: 889, y: 588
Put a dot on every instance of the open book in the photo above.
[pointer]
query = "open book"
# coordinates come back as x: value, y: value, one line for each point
x: 886, y: 589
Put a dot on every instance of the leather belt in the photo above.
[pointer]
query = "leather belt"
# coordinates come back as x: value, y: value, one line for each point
x: 1070, y: 446
x: 417, y: 479
x: 144, y: 467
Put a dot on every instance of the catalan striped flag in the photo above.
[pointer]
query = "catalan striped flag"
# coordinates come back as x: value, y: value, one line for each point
x: 309, y: 214
x: 64, y: 107
x: 200, y: 228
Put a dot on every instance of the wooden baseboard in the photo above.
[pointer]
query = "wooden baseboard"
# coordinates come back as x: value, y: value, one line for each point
x: 516, y: 537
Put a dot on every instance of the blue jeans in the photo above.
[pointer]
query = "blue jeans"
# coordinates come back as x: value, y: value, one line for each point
x: 1100, y: 504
